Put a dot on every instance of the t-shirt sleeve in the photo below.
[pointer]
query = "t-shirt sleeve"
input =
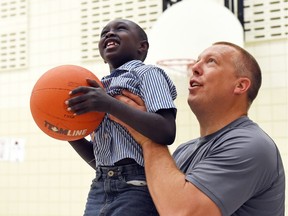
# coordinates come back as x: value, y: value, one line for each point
x: 157, y: 90
x: 239, y: 165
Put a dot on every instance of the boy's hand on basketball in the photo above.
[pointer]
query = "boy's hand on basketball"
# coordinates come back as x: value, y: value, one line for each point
x: 91, y: 98
x: 93, y: 83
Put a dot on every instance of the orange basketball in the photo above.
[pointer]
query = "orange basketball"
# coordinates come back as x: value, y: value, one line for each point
x: 48, y: 108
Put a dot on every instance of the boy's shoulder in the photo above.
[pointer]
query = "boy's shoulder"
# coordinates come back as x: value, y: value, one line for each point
x: 140, y: 67
x: 131, y: 64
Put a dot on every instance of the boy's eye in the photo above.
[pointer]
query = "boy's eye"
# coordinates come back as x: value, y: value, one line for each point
x: 121, y: 27
x: 103, y: 33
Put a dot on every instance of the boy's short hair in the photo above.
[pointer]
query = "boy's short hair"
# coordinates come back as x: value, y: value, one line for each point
x: 143, y: 36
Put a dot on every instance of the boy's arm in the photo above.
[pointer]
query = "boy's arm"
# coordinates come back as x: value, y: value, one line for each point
x: 85, y: 149
x: 159, y: 127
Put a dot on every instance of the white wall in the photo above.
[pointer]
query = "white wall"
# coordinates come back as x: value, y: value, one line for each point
x: 52, y: 180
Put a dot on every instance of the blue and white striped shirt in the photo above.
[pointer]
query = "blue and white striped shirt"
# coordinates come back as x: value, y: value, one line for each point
x: 111, y: 141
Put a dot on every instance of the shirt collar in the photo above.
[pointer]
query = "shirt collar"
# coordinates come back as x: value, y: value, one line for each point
x: 130, y: 64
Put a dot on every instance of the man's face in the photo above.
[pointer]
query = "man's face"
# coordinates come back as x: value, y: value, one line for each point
x: 213, y: 78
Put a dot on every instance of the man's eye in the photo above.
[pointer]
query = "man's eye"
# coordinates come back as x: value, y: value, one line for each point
x: 211, y: 60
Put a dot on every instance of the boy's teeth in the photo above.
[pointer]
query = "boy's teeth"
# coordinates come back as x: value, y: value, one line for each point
x: 111, y: 44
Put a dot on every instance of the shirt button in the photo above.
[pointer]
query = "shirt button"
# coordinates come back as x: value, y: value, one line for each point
x: 110, y: 173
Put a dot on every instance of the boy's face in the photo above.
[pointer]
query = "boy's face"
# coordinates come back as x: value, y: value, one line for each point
x: 119, y: 42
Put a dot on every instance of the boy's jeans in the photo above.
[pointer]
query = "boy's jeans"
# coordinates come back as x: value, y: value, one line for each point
x: 120, y: 191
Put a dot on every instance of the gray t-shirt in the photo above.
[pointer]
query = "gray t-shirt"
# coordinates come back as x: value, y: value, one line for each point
x: 239, y: 167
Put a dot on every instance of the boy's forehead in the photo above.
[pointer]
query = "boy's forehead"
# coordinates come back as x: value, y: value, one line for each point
x: 120, y: 21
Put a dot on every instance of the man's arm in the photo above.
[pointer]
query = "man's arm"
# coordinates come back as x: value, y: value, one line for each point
x: 171, y: 193
x: 159, y: 126
x: 85, y: 149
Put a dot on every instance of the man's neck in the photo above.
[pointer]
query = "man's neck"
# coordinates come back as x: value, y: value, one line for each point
x: 211, y: 125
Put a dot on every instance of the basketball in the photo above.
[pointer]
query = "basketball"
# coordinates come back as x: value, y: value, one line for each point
x: 48, y: 108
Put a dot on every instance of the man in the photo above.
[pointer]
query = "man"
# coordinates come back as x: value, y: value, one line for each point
x: 234, y: 167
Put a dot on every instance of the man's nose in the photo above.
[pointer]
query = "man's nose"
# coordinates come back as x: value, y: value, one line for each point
x: 191, y: 68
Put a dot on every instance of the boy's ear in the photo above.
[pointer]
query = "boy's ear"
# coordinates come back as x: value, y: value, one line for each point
x: 144, y: 46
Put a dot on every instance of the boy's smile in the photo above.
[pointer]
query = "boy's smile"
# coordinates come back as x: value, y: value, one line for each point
x: 110, y: 43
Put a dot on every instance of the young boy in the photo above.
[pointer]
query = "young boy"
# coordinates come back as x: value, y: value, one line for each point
x: 120, y: 186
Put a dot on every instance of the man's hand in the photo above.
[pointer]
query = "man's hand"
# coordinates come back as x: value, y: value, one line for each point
x: 136, y: 102
x: 131, y: 100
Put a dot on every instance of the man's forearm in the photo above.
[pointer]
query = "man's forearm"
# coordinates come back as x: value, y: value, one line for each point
x: 160, y: 172
x: 171, y: 193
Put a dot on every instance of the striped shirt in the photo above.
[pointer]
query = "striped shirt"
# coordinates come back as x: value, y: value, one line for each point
x: 111, y: 141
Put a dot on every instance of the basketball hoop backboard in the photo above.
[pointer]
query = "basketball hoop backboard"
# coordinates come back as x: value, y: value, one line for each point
x: 185, y: 29
x: 176, y: 64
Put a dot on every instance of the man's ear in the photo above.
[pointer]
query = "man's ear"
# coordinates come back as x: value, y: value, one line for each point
x: 242, y: 85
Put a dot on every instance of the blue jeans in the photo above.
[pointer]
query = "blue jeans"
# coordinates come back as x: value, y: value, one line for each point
x: 120, y: 191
